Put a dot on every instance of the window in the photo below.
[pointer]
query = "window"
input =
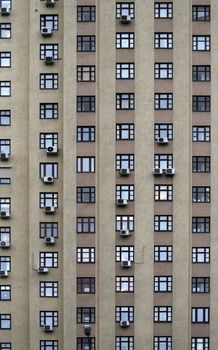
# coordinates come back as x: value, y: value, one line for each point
x: 200, y: 255
x: 125, y: 9
x: 162, y: 313
x: 85, y: 103
x: 5, y: 30
x: 163, y: 70
x: 124, y: 343
x: 125, y: 161
x: 201, y: 42
x: 5, y: 146
x: 200, y: 343
x: 48, y: 111
x: 5, y: 205
x: 125, y: 70
x: 85, y: 285
x: 49, y: 50
x: 49, y: 21
x: 163, y: 284
x: 163, y: 253
x: 48, y: 289
x: 5, y: 3
x: 201, y: 164
x: 125, y: 222
x: 85, y: 315
x: 86, y: 134
x: 48, y: 81
x: 125, y: 101
x: 163, y: 161
x: 85, y: 164
x: 162, y: 343
x: 201, y: 73
x: 86, y: 194
x: 5, y: 234
x: 5, y: 292
x: 200, y: 224
x: 201, y: 103
x: 85, y: 13
x: 5, y: 59
x: 124, y: 253
x: 49, y: 318
x: 200, y: 194
x: 200, y: 314
x: 125, y: 131
x: 125, y: 40
x: 5, y: 88
x: 200, y: 284
x: 163, y: 10
x: 85, y: 43
x: 49, y: 169
x: 48, y: 199
x: 163, y: 223
x: 5, y: 263
x: 48, y: 229
x: 48, y: 259
x: 124, y: 284
x: 124, y: 313
x: 163, y: 101
x: 201, y: 13
x: 5, y: 117
x: 163, y: 40
x: 5, y: 321
x: 163, y: 131
x: 85, y: 73
x: 163, y: 193
x: 85, y: 255
x: 85, y: 225
x: 5, y: 346
x: 85, y: 343
x: 5, y: 176
x: 201, y: 133
x: 48, y: 139
x: 125, y: 192
x: 48, y: 344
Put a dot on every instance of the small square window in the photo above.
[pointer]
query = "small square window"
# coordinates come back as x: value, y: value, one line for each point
x: 5, y: 59
x: 5, y: 117
x: 5, y: 30
x: 5, y: 88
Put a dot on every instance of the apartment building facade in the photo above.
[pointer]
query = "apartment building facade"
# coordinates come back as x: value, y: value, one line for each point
x: 108, y: 163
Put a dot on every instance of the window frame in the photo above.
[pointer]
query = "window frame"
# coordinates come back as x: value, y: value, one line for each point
x: 201, y: 194
x: 205, y: 315
x: 82, y: 283
x: 160, y: 67
x: 4, y: 55
x: 48, y: 259
x: 159, y: 311
x: 125, y: 101
x: 83, y: 70
x: 46, y: 286
x: 166, y: 251
x: 195, y: 13
x: 127, y: 128
x: 5, y: 88
x: 86, y: 43
x: 87, y: 191
x: 125, y: 40
x: 163, y: 40
x: 163, y: 284
x: 85, y: 224
x: 157, y: 10
x: 81, y: 131
x: 5, y: 113
x: 200, y: 285
x: 200, y: 255
x: 85, y: 255
x: 199, y: 71
x: 201, y: 43
x: 197, y: 160
x: 163, y: 101
x: 49, y: 21
x: 48, y: 81
x: 5, y: 30
x: 203, y: 221
x: 81, y: 12
x: 125, y: 70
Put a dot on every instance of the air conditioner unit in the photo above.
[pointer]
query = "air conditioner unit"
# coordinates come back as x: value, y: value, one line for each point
x: 162, y: 140
x: 48, y: 328
x: 4, y: 156
x: 126, y: 263
x: 50, y: 3
x: 5, y: 11
x: 124, y: 171
x: 122, y: 202
x: 4, y: 244
x: 52, y: 149
x: 42, y: 270
x: 124, y: 233
x: 170, y: 171
x: 125, y: 19
x: 49, y: 240
x: 124, y: 323
x: 157, y: 171
x: 4, y: 215
x: 49, y: 210
x: 49, y: 60
x: 3, y: 273
x: 46, y: 32
x: 48, y: 179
